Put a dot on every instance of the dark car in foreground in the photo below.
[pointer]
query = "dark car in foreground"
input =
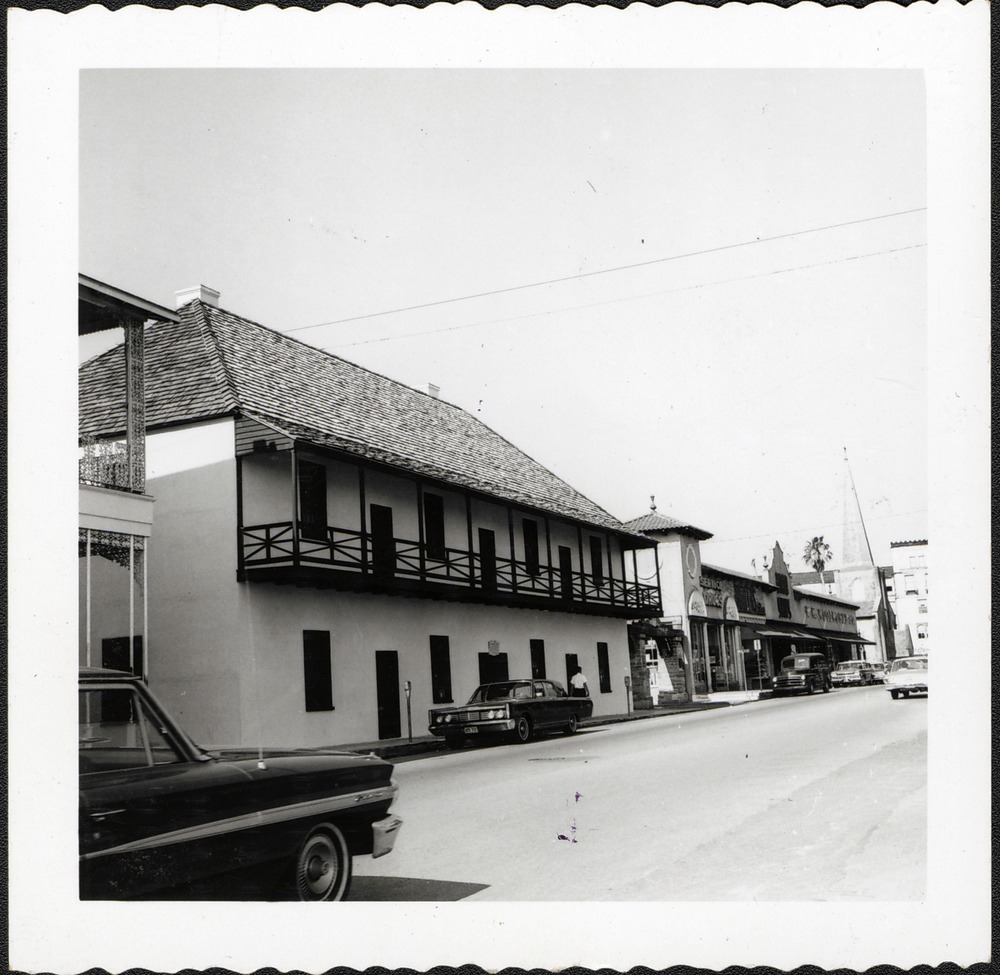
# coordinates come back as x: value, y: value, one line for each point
x: 803, y: 673
x: 515, y: 709
x: 907, y: 675
x: 158, y: 812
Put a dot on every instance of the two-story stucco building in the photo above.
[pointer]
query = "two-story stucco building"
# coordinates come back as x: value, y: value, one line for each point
x: 336, y: 550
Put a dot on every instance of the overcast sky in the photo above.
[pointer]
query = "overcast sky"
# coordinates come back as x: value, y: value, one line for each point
x: 698, y: 285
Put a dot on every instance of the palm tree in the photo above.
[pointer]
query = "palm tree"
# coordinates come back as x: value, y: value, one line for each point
x: 817, y: 553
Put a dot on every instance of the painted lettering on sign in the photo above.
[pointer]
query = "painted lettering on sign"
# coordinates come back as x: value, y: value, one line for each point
x: 829, y: 615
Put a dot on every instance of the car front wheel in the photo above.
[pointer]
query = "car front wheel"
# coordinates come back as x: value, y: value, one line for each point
x: 454, y: 741
x: 323, y: 865
x: 522, y: 730
x: 571, y: 725
x: 894, y: 694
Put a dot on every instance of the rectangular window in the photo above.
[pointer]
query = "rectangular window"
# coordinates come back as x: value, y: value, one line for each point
x: 487, y: 559
x: 784, y: 608
x: 597, y: 561
x: 441, y: 670
x: 383, y: 541
x: 910, y: 584
x: 538, y: 659
x: 781, y: 581
x: 493, y: 667
x: 312, y: 500
x: 530, y: 529
x: 434, y: 526
x: 317, y: 670
x: 116, y: 655
x: 603, y: 668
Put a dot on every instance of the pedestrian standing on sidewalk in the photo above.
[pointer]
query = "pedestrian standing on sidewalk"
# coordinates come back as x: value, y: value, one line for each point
x: 578, y: 684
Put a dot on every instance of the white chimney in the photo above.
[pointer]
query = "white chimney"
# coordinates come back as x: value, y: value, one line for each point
x: 433, y: 390
x: 199, y: 293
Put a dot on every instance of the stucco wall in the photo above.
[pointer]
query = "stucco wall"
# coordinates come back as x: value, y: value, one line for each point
x: 361, y: 624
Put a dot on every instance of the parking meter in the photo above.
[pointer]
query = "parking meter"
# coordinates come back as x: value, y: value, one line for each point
x: 409, y: 720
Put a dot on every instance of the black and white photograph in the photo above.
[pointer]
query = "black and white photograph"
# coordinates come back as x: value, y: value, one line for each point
x: 506, y: 482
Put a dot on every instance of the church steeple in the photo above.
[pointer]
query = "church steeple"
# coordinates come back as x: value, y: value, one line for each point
x: 855, y: 549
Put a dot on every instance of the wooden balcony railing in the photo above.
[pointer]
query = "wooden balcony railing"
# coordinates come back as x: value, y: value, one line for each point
x: 345, y: 559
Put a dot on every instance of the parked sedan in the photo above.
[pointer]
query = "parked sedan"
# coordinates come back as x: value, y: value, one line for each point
x: 510, y: 708
x: 907, y: 675
x: 851, y: 673
x: 157, y: 811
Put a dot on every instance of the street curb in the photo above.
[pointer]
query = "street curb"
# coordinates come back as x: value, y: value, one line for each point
x: 429, y: 745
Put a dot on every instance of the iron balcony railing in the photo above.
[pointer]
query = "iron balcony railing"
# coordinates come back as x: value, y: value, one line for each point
x: 275, y: 546
x: 106, y: 465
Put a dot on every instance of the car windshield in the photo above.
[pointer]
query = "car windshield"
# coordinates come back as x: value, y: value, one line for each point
x: 848, y: 665
x: 500, y: 691
x: 797, y: 663
x: 909, y: 663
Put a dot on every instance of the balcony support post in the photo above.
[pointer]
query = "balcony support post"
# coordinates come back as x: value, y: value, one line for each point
x: 472, y: 559
x: 611, y: 574
x: 513, y: 557
x: 135, y: 405
x: 89, y: 660
x: 420, y: 532
x: 583, y: 571
x: 131, y: 603
x: 145, y: 611
x: 548, y: 558
x: 239, y: 516
x: 659, y: 591
x: 295, y: 506
x: 635, y: 577
x: 364, y: 519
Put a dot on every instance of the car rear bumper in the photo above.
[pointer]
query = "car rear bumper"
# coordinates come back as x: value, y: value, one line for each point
x: 384, y: 833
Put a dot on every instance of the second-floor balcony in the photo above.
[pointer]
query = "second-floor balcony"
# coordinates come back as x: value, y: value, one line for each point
x: 360, y: 561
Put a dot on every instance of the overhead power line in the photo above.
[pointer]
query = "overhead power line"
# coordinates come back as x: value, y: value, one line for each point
x: 608, y: 270
x: 612, y: 301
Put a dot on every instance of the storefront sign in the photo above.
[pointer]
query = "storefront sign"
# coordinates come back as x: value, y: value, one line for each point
x: 696, y: 604
x: 828, y: 615
x: 730, y: 611
x: 713, y: 598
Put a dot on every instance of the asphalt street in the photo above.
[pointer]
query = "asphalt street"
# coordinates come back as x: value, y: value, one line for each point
x: 809, y: 798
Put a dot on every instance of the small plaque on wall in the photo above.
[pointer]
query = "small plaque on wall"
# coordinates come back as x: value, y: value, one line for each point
x: 494, y: 648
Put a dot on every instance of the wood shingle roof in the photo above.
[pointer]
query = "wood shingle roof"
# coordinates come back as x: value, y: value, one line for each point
x: 214, y: 364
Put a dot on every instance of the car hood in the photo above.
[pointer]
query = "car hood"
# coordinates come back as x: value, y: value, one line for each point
x: 297, y: 759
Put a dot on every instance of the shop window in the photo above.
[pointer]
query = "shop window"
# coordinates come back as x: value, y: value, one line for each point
x: 317, y: 670
x: 441, y: 670
x: 530, y: 530
x: 312, y: 500
x: 603, y: 668
x: 597, y: 561
x: 434, y: 526
x: 116, y: 655
x: 538, y: 659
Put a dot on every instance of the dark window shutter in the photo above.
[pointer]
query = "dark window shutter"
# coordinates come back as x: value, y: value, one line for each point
x: 537, y: 659
x: 530, y: 529
x: 317, y: 670
x: 441, y: 670
x: 597, y: 560
x: 604, y: 668
x: 312, y: 499
x: 434, y: 526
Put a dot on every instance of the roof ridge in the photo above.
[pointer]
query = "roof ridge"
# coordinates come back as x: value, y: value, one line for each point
x: 204, y: 319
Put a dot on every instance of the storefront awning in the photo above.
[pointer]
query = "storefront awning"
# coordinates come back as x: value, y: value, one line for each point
x: 843, y: 637
x: 787, y: 633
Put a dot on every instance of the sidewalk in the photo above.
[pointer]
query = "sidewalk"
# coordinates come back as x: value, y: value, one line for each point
x: 426, y: 744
